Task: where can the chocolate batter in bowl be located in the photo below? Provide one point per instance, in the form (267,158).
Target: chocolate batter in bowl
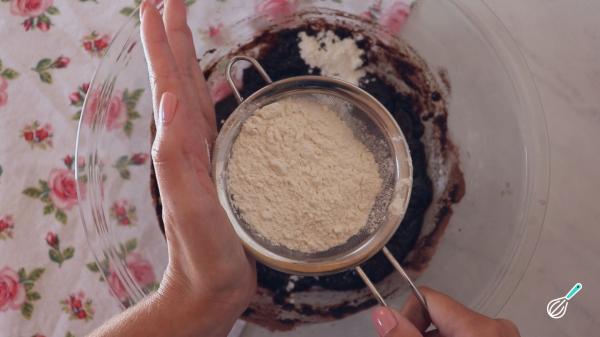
(459,90)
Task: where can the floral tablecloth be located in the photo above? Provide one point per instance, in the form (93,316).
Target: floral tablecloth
(49,283)
(48,52)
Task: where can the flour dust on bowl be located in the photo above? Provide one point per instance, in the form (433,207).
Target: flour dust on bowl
(452,80)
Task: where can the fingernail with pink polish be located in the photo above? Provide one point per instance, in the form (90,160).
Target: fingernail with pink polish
(168,105)
(383,320)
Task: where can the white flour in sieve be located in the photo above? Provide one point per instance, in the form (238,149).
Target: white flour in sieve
(300,178)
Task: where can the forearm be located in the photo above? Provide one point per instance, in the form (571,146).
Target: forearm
(166,315)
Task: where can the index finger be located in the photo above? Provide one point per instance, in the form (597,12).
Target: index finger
(182,46)
(162,68)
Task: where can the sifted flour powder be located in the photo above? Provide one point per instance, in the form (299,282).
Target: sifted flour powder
(339,58)
(300,178)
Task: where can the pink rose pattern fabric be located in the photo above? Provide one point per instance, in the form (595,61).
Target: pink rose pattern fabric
(12,292)
(121,111)
(7,224)
(59,192)
(140,268)
(29,8)
(78,306)
(62,188)
(56,277)
(17,290)
(115,117)
(143,273)
(36,12)
(6,74)
(95,44)
(276,9)
(43,254)
(123,212)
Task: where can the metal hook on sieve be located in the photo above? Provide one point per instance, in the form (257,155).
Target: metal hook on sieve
(400,270)
(356,267)
(256,65)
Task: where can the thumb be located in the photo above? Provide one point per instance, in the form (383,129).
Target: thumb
(390,323)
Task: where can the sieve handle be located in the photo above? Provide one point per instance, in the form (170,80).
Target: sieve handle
(400,270)
(259,68)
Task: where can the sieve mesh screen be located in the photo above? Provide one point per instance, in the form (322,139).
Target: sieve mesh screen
(358,118)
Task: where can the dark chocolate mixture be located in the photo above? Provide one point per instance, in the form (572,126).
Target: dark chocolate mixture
(280,57)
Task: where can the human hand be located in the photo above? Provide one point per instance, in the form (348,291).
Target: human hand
(451,318)
(208,270)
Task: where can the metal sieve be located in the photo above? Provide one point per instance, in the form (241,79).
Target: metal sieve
(372,123)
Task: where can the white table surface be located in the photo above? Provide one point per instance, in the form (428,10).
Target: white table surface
(561,42)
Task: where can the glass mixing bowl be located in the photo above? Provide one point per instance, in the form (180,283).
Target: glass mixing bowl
(495,120)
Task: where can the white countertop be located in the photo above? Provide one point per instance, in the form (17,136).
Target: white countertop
(561,42)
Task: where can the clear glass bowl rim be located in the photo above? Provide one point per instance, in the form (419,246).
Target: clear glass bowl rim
(538,156)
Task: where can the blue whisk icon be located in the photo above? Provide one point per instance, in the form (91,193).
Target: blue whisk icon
(557,308)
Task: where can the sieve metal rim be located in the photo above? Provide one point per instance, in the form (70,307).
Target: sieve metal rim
(394,136)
